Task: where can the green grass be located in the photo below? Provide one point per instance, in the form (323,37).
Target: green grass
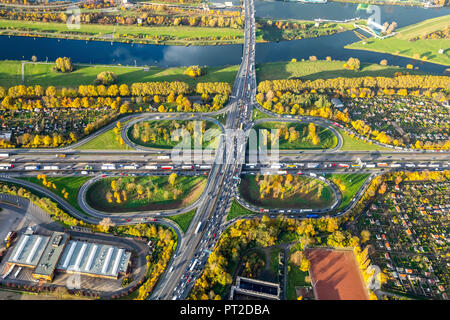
(191,187)
(170,127)
(249,190)
(236,210)
(400,44)
(10,73)
(184,219)
(71,184)
(424,27)
(312,70)
(183,34)
(327,139)
(43,74)
(354,144)
(295,278)
(259,115)
(352,183)
(105,141)
(274,254)
(222,118)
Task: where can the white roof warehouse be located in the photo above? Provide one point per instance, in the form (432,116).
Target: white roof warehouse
(46,254)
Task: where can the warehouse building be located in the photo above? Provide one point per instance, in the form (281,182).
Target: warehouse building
(95,260)
(47,254)
(28,250)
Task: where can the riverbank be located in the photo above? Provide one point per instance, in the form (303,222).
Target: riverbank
(167,35)
(408,3)
(323,69)
(267,31)
(41,73)
(294,29)
(407,42)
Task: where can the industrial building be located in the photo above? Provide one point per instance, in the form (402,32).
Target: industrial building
(47,254)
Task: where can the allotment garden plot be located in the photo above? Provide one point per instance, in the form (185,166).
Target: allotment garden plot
(291,192)
(146,193)
(411,121)
(409,234)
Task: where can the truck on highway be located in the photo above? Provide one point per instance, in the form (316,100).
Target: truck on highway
(187,167)
(50,168)
(151,167)
(275,166)
(130,167)
(382,164)
(205,166)
(4,155)
(282,172)
(61,155)
(343,165)
(108,166)
(370,165)
(395,165)
(33,167)
(163,157)
(198,227)
(6,165)
(193,265)
(312,165)
(166,167)
(312,174)
(312,216)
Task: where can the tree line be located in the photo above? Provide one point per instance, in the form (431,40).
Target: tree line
(398,82)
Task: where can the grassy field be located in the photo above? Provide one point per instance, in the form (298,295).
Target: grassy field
(184,219)
(183,34)
(160,197)
(249,190)
(400,44)
(352,183)
(353,144)
(258,115)
(42,74)
(236,210)
(105,141)
(322,69)
(71,184)
(327,139)
(169,125)
(424,27)
(295,278)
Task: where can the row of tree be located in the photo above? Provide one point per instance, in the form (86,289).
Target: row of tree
(132,18)
(399,82)
(136,89)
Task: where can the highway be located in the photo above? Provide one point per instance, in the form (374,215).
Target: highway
(198,240)
(223,167)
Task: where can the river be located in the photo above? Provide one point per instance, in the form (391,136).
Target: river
(98,52)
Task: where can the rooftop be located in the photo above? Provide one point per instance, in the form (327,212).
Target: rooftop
(28,250)
(50,256)
(94,259)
